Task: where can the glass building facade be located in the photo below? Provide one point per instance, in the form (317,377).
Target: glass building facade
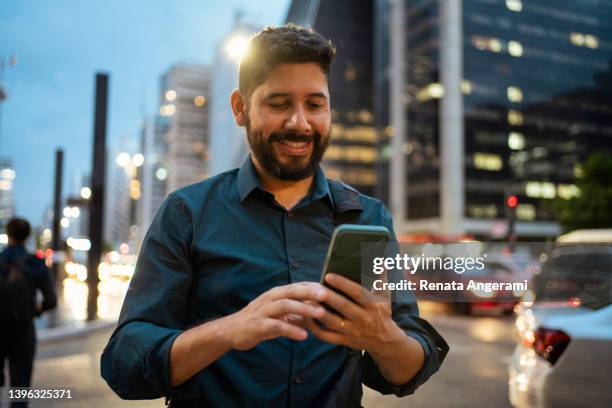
(353,152)
(495,98)
(536,100)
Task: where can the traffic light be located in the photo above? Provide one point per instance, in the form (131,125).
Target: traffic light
(512,201)
(511,204)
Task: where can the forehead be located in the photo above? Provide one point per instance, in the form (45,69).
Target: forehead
(294,80)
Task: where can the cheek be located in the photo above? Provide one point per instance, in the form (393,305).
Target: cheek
(266,121)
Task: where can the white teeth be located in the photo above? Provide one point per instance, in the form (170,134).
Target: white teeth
(295,144)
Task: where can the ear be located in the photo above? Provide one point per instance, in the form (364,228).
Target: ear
(238,108)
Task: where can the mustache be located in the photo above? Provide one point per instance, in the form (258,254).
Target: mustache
(293,137)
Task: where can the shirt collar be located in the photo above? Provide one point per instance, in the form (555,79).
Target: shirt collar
(248,180)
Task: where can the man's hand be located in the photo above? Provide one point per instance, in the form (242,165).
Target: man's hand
(275,313)
(365,323)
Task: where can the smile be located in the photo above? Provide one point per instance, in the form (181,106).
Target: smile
(294,148)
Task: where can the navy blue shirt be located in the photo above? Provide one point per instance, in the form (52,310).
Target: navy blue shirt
(214,247)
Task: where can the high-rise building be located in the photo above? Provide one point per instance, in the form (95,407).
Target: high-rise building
(228,145)
(184,101)
(7,178)
(477,100)
(153,173)
(353,151)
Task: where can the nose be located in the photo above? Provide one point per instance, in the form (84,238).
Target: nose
(298,122)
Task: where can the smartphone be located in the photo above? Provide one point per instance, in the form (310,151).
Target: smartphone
(344,255)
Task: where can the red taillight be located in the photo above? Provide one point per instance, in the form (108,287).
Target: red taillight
(549,344)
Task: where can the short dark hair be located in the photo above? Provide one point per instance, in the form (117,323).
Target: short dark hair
(18,229)
(274,46)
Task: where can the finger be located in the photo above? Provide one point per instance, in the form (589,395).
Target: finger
(284,307)
(296,320)
(273,328)
(345,307)
(382,294)
(323,334)
(299,291)
(353,290)
(334,322)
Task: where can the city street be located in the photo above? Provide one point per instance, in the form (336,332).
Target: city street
(474,374)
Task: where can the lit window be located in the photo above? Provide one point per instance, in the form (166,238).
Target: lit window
(515,48)
(199,101)
(515,117)
(483,211)
(515,94)
(526,212)
(431,91)
(495,45)
(390,131)
(516,141)
(567,191)
(537,189)
(170,95)
(591,41)
(488,161)
(350,74)
(167,110)
(466,87)
(577,39)
(6,185)
(7,174)
(578,171)
(486,43)
(514,5)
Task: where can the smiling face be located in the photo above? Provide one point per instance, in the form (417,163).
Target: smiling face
(288,120)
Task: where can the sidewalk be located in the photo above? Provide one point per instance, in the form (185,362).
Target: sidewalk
(69,319)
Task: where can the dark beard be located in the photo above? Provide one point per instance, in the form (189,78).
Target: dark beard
(295,169)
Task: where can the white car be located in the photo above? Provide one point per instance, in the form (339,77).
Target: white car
(564,358)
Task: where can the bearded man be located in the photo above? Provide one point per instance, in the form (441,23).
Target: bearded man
(222,307)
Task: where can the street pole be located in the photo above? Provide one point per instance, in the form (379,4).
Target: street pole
(96,209)
(57,211)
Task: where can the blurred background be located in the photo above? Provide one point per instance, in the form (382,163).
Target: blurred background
(486,120)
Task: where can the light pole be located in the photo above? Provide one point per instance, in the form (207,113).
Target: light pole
(3,93)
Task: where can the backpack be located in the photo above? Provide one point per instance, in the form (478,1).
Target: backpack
(16,304)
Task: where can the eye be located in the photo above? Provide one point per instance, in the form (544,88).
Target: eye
(278,105)
(315,105)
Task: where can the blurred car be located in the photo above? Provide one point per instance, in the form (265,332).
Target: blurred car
(564,357)
(497,269)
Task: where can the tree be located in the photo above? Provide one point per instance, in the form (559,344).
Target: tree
(593,207)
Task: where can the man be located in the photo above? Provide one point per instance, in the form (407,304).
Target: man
(221,308)
(21,276)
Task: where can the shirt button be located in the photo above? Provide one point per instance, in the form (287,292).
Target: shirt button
(290,214)
(297,379)
(295,264)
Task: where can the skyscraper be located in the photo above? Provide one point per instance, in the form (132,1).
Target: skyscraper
(153,171)
(477,100)
(353,152)
(184,101)
(7,178)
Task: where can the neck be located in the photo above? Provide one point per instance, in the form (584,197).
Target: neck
(287,193)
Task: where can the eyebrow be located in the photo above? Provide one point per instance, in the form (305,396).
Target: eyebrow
(285,95)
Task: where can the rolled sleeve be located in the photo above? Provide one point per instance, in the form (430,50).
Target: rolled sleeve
(136,361)
(405,313)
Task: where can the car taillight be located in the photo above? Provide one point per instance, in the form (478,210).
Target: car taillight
(547,343)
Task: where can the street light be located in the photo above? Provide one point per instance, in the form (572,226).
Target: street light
(237,46)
